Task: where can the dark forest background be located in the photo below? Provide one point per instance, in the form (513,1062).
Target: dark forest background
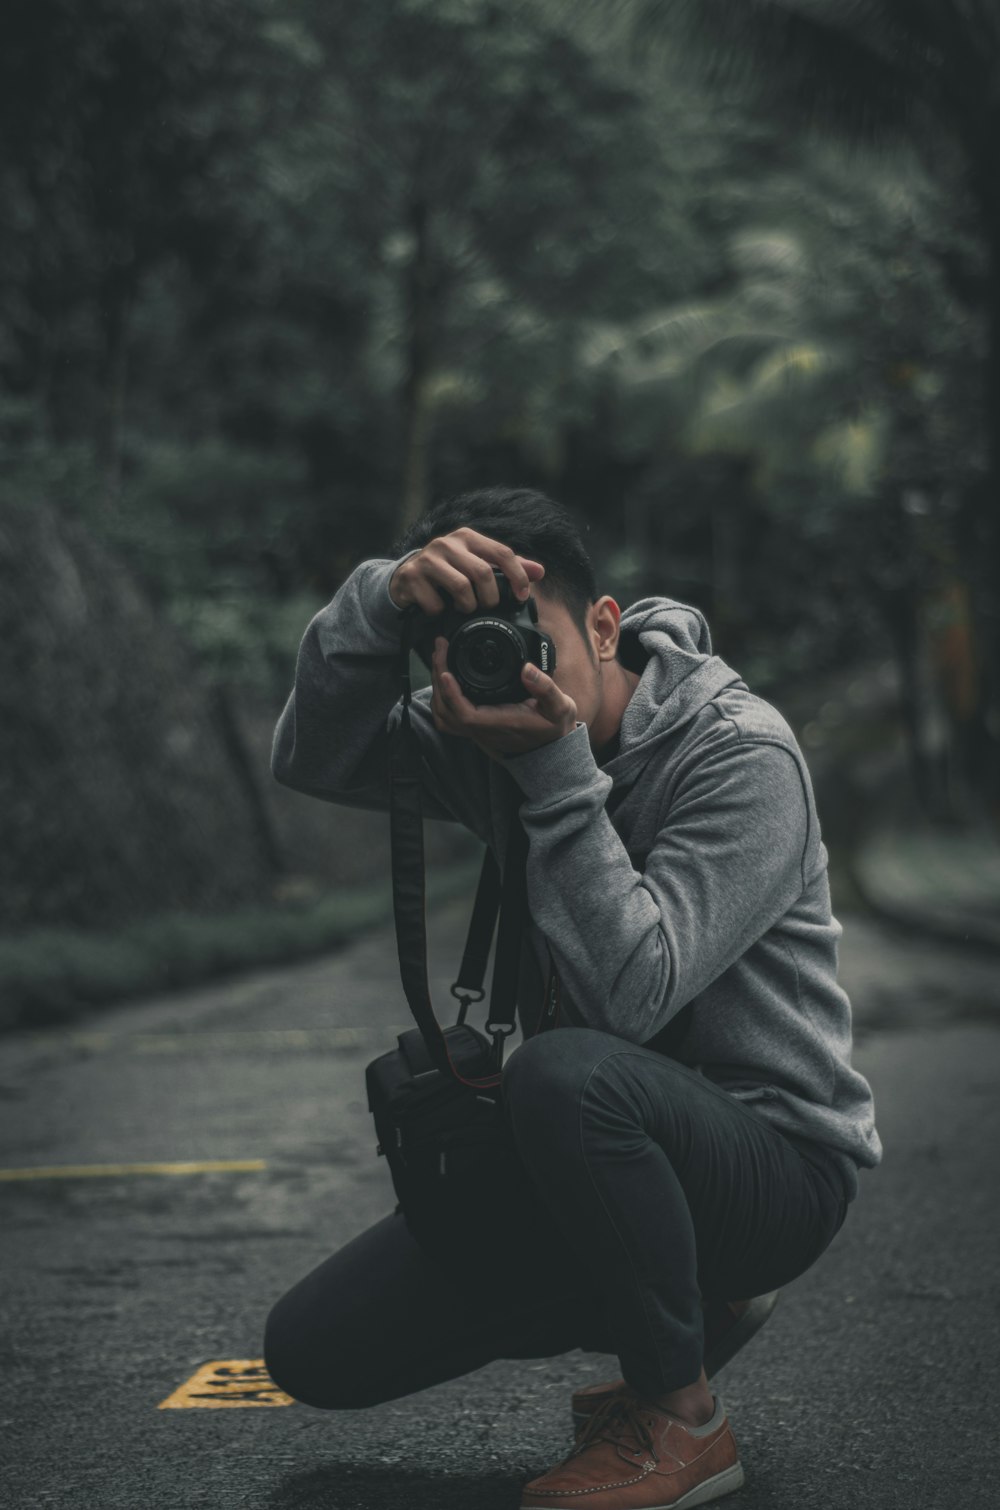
(274,276)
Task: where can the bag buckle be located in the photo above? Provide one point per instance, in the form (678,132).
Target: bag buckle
(466,997)
(500,1032)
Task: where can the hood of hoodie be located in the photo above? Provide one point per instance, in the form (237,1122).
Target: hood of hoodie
(680,676)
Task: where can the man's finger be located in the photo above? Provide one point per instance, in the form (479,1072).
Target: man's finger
(451,695)
(521,571)
(439,661)
(441,705)
(455,701)
(551,700)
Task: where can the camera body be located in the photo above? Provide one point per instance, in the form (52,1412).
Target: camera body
(487,649)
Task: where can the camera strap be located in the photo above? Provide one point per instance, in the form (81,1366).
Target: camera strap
(507,894)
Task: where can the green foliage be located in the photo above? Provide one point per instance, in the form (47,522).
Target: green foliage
(245,639)
(239,379)
(874,69)
(274,269)
(924,77)
(50,975)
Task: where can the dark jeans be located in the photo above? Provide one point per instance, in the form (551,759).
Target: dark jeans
(645,1189)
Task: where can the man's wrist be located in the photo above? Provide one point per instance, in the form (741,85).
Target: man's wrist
(399,607)
(517,754)
(561,765)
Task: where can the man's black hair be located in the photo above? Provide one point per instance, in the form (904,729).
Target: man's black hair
(533,525)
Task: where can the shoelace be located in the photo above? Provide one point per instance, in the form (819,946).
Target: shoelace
(619,1420)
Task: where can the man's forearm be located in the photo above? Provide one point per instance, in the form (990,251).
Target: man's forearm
(633,946)
(332,739)
(329,740)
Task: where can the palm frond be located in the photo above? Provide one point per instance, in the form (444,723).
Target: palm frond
(868,68)
(853,451)
(789,364)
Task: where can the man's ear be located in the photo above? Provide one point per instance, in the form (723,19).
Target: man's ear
(606,619)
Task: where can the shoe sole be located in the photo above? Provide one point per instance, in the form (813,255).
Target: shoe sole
(726,1482)
(717,1356)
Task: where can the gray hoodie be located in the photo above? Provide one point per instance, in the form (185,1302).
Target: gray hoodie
(679,888)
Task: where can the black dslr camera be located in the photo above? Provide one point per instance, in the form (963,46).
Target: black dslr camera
(487,649)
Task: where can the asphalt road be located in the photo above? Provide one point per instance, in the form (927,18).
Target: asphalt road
(874,1384)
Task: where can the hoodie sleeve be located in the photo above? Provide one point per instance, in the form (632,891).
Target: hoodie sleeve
(332,738)
(634,946)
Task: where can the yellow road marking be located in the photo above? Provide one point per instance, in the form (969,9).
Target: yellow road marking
(233,1383)
(92,1171)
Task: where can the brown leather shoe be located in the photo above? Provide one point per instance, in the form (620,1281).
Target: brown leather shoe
(634,1455)
(729,1324)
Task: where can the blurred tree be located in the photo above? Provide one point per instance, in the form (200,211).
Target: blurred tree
(927,71)
(117,119)
(500,178)
(120,788)
(834,369)
(247,186)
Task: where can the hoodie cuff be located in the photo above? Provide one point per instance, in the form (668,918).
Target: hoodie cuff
(398,607)
(557,767)
(381,611)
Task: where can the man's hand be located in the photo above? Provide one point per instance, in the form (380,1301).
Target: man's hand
(505,728)
(462,563)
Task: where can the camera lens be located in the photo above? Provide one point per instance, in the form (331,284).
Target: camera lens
(485,657)
(488,661)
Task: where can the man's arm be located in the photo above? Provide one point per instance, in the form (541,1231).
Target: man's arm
(727,862)
(332,739)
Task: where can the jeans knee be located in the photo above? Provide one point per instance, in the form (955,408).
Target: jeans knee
(282,1358)
(309,1368)
(548,1072)
(278,1358)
